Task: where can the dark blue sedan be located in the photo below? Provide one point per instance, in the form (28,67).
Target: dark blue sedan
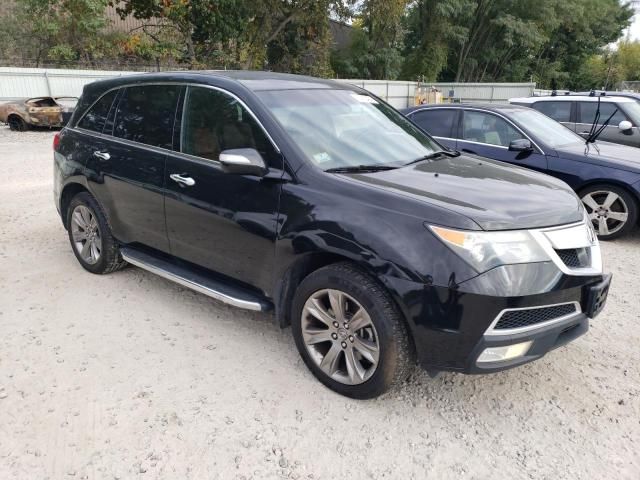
(605,175)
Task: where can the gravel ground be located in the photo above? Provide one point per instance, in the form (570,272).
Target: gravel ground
(131,376)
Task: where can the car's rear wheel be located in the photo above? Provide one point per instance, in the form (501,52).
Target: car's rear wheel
(612,210)
(90,236)
(349,332)
(17,124)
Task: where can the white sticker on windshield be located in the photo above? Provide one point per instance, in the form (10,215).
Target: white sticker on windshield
(364,98)
(322,157)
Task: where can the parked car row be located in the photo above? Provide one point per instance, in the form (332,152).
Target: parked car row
(605,175)
(318,201)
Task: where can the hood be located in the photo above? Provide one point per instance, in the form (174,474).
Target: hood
(495,195)
(605,154)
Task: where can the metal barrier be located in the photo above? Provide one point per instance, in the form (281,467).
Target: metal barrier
(34,82)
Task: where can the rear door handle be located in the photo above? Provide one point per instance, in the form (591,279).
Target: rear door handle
(182,181)
(102,155)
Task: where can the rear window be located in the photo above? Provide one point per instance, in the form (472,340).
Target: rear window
(559,111)
(97,115)
(437,122)
(146,114)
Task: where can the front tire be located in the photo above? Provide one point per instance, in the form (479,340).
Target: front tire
(17,124)
(90,236)
(350,333)
(612,210)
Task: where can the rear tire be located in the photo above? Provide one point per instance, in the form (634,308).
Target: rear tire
(90,236)
(612,210)
(349,332)
(17,124)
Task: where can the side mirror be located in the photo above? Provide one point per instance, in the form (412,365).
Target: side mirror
(243,161)
(520,145)
(625,125)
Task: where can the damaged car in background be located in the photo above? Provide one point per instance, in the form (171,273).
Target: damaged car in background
(23,114)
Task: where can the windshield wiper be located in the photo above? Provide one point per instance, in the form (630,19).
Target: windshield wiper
(360,168)
(433,155)
(595,131)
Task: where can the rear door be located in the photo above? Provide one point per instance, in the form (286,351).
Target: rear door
(489,135)
(224,222)
(439,123)
(128,171)
(587,113)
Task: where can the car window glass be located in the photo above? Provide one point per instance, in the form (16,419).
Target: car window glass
(437,122)
(213,121)
(559,111)
(487,128)
(96,117)
(146,114)
(588,113)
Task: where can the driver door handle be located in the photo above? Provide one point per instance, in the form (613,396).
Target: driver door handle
(182,181)
(102,155)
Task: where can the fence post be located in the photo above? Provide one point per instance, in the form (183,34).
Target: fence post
(46,79)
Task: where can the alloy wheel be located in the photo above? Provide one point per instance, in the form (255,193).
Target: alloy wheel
(86,234)
(340,336)
(607,210)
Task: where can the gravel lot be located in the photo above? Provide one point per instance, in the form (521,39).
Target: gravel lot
(131,376)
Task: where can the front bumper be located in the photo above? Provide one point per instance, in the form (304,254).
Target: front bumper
(452,326)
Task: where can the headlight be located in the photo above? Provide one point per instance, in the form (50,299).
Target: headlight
(486,250)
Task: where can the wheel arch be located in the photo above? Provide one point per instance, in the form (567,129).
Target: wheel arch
(609,181)
(68,192)
(305,265)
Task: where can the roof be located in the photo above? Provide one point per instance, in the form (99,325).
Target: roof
(573,98)
(484,106)
(253,80)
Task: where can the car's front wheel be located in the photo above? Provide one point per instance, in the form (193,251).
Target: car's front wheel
(349,332)
(90,236)
(612,210)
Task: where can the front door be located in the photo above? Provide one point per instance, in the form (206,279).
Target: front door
(217,220)
(489,135)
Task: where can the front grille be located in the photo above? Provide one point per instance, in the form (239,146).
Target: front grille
(574,257)
(532,316)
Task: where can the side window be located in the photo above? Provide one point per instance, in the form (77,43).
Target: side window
(96,117)
(588,113)
(488,128)
(559,111)
(437,122)
(213,121)
(146,114)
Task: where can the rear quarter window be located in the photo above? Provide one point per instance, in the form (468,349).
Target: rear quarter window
(96,116)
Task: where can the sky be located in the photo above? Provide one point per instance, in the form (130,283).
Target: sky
(634,29)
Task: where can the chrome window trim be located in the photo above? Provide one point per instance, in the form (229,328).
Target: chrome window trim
(482,110)
(492,331)
(185,84)
(506,120)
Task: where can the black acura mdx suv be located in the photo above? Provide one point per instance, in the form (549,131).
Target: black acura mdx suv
(318,200)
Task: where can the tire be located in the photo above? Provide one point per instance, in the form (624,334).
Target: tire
(86,224)
(613,210)
(379,324)
(17,124)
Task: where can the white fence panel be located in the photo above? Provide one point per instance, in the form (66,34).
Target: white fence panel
(33,82)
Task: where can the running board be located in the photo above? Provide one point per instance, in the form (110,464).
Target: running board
(236,296)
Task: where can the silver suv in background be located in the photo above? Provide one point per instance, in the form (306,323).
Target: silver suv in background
(578,113)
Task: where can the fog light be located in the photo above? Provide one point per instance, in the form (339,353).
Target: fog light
(500,354)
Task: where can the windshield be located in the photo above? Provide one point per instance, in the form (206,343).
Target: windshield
(632,109)
(343,128)
(548,130)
